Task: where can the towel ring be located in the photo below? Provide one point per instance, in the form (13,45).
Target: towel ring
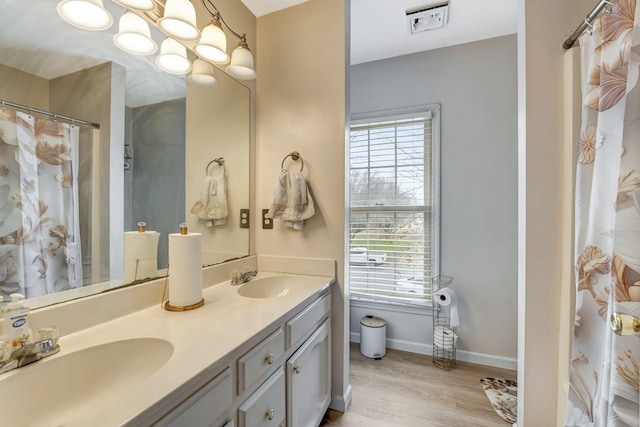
(218,160)
(294,156)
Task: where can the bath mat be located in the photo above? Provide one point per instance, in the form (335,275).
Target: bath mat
(503,395)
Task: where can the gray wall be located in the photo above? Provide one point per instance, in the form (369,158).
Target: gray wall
(476,85)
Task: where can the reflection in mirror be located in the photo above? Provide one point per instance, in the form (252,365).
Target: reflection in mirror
(71,192)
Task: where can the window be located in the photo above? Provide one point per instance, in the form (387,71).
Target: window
(393,219)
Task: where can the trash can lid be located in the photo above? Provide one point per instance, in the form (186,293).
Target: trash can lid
(372,322)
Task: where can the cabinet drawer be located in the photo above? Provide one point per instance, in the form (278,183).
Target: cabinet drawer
(256,362)
(266,406)
(304,322)
(205,407)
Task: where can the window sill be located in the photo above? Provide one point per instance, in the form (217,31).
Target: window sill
(425,310)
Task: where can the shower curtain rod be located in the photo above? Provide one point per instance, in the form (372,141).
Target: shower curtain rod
(48,113)
(568,43)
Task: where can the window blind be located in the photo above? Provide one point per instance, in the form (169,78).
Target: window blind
(391,210)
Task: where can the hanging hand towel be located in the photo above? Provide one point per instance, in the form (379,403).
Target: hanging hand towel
(292,201)
(212,205)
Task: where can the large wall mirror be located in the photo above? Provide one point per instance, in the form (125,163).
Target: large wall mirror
(94,141)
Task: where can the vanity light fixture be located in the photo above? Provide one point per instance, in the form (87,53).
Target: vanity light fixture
(134,36)
(85,14)
(213,43)
(202,72)
(241,66)
(179,20)
(143,5)
(173,57)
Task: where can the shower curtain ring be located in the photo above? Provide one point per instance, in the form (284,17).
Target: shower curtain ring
(590,25)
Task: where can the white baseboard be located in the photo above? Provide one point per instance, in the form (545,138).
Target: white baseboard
(341,403)
(461,355)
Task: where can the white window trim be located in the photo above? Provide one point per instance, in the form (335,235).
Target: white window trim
(389,115)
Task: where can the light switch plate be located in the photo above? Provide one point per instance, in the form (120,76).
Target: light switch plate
(244,218)
(267,223)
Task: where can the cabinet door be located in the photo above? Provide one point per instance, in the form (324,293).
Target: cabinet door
(309,380)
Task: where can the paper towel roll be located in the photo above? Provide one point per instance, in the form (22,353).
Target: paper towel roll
(185,269)
(446,297)
(140,255)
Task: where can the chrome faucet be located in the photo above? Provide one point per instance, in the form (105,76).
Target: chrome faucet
(26,353)
(242,276)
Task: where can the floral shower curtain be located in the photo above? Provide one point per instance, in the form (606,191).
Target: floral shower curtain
(39,227)
(604,375)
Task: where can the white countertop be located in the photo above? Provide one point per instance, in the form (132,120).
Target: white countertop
(201,338)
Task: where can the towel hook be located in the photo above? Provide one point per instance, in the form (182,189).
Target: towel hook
(294,156)
(218,160)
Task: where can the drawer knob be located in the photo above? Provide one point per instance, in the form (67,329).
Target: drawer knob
(296,369)
(270,414)
(270,358)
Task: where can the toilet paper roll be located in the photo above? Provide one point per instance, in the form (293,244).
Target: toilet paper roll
(446,297)
(185,269)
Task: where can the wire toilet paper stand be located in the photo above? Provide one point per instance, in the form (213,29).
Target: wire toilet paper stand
(444,332)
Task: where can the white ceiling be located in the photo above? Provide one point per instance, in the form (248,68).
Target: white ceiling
(379,28)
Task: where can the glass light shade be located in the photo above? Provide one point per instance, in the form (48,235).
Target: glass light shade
(145,5)
(134,36)
(179,20)
(241,66)
(213,44)
(85,14)
(202,72)
(173,58)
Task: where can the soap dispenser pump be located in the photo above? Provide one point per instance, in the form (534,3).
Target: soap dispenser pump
(16,326)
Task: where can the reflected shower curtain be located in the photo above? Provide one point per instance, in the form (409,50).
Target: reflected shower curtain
(39,227)
(604,374)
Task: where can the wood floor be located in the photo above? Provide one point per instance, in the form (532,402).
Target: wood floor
(406,390)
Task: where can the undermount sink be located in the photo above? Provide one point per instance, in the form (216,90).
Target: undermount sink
(268,287)
(56,390)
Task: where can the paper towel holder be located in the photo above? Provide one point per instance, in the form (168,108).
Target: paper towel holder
(176,308)
(167,306)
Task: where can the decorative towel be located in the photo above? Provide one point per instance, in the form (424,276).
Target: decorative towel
(292,201)
(212,205)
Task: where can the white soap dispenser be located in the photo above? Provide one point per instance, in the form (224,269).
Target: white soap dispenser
(16,323)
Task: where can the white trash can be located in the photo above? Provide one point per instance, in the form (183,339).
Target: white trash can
(373,337)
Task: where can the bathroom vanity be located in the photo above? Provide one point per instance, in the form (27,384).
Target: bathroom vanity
(283,380)
(256,354)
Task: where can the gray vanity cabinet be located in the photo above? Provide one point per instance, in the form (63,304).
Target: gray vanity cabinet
(282,380)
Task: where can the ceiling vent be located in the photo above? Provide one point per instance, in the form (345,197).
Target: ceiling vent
(429,17)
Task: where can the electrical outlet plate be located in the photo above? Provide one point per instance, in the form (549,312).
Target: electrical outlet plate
(267,223)
(244,218)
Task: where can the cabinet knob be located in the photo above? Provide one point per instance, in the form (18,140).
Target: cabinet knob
(296,369)
(270,414)
(270,358)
